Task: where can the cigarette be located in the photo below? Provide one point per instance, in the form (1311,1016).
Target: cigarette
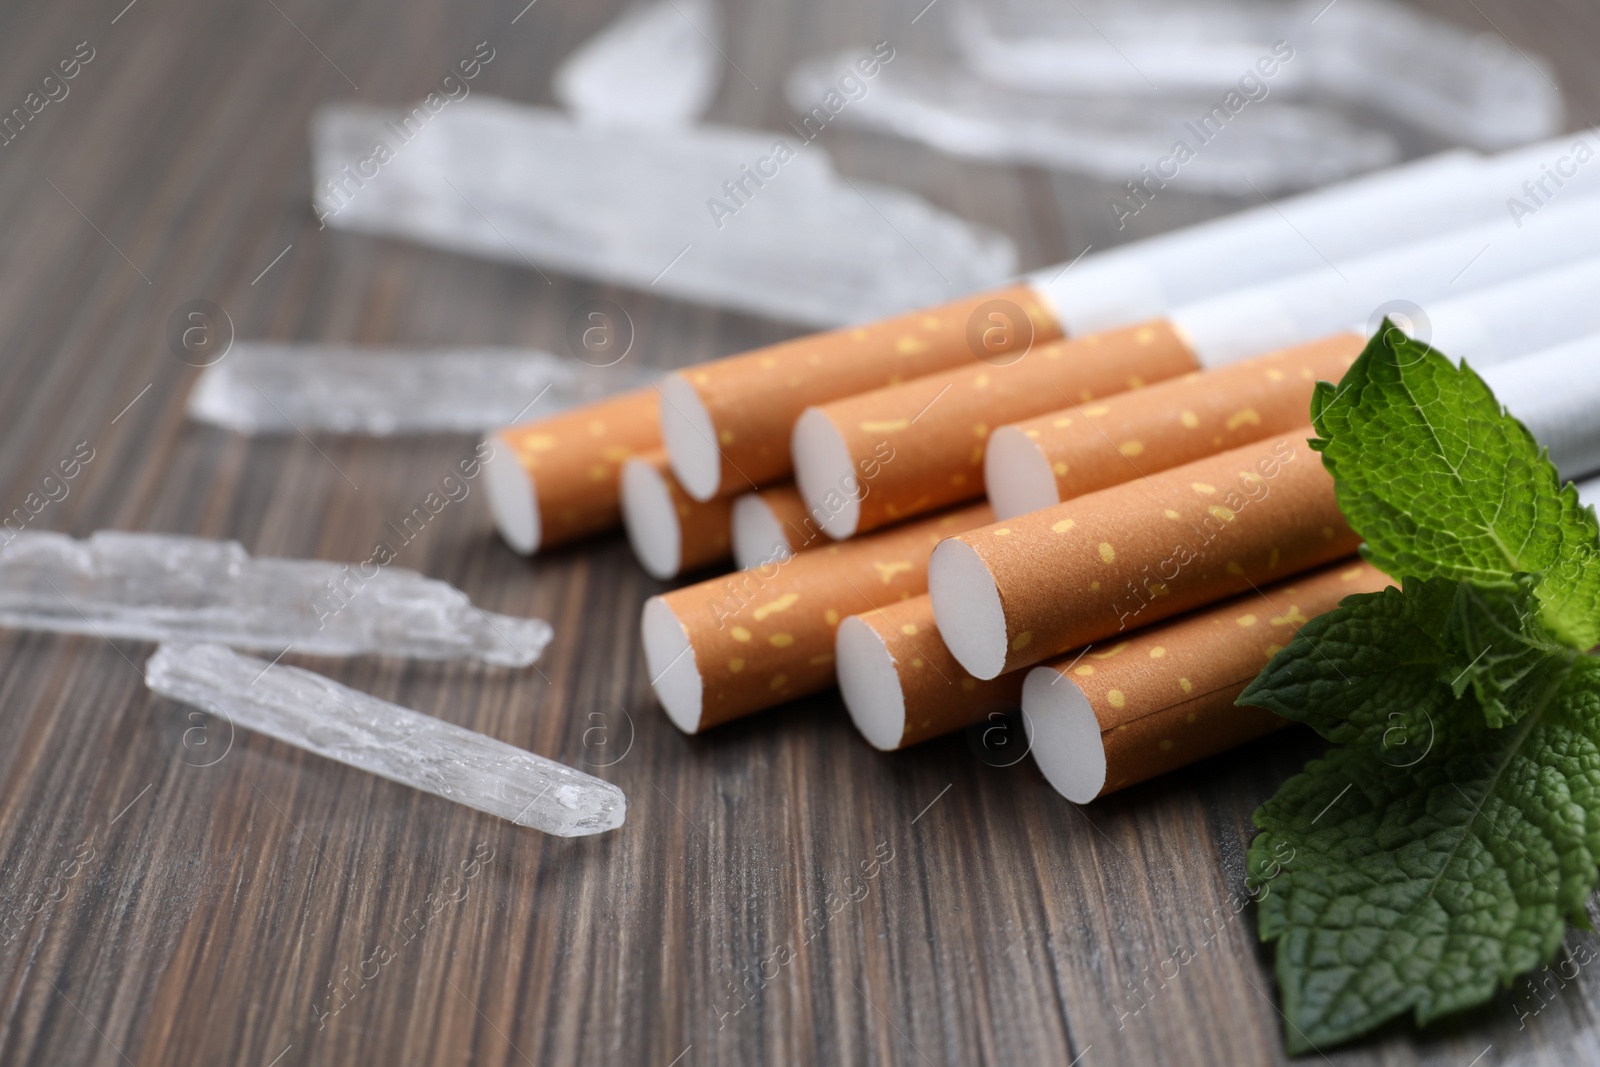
(769,524)
(1044,460)
(750,641)
(1557,391)
(1015,593)
(874,459)
(1515,319)
(671,533)
(1589,493)
(837,445)
(902,685)
(1111,717)
(558,479)
(1302,307)
(726,423)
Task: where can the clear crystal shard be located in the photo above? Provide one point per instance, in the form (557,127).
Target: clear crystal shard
(319,715)
(681,211)
(657,65)
(261,388)
(1454,80)
(1466,85)
(164,587)
(1273,146)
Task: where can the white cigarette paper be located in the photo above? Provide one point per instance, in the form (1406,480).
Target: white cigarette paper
(1557,393)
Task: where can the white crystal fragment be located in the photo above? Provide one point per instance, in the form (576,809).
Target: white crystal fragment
(657,65)
(261,388)
(165,587)
(1472,88)
(317,714)
(1469,86)
(1096,49)
(638,207)
(1269,145)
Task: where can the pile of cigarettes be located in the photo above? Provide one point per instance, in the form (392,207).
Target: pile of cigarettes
(1088,495)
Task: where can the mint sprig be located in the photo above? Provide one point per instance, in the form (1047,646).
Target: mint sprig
(1441,483)
(1446,847)
(1426,888)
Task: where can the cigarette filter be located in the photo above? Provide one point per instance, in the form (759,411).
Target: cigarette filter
(557,479)
(726,423)
(671,532)
(870,460)
(903,686)
(1085,447)
(1018,592)
(771,523)
(1110,717)
(758,638)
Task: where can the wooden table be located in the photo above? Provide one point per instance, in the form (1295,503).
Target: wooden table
(171,907)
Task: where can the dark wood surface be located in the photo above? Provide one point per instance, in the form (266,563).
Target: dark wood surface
(166,912)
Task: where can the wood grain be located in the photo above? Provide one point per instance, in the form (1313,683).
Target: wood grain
(207,914)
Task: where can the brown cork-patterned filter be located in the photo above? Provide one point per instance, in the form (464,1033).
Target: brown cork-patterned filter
(876,458)
(1126,711)
(772,523)
(1022,591)
(559,479)
(727,422)
(755,639)
(671,533)
(903,686)
(1085,447)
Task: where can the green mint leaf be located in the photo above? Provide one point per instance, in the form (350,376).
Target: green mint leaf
(1501,651)
(1367,672)
(1424,888)
(1442,483)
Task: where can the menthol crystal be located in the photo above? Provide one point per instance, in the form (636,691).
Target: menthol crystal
(165,587)
(666,209)
(261,388)
(657,65)
(317,714)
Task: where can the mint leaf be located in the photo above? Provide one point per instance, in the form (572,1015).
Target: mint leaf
(1423,888)
(1504,655)
(1442,483)
(1368,672)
